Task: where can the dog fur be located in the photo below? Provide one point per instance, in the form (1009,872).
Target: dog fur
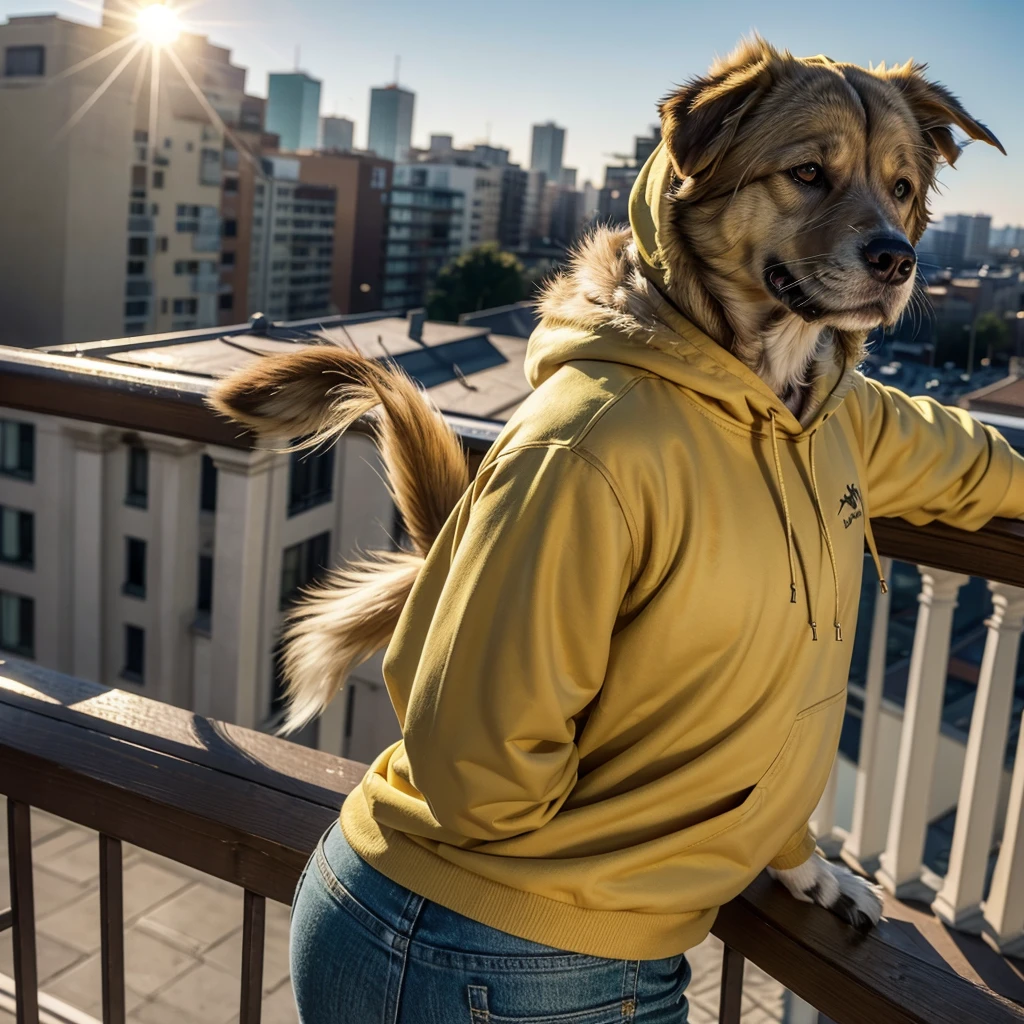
(737,213)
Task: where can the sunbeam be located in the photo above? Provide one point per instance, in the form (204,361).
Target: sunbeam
(154,99)
(140,78)
(89,61)
(91,101)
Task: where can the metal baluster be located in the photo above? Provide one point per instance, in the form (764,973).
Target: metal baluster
(26,977)
(731,1002)
(112,930)
(253,933)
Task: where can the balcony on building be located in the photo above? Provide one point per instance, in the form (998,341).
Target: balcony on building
(926,793)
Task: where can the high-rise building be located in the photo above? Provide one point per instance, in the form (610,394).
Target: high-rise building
(513,200)
(492,156)
(336,134)
(114,232)
(360,182)
(293,109)
(546,151)
(390,134)
(975,229)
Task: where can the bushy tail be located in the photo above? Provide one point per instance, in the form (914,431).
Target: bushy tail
(313,395)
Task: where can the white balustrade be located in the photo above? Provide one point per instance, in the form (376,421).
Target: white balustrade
(902,860)
(871,798)
(959,901)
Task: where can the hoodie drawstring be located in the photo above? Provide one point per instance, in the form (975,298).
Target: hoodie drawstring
(785,512)
(828,539)
(883,586)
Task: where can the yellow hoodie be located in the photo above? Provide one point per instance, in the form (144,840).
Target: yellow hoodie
(621,674)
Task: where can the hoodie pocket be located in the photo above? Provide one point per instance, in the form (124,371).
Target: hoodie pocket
(805,756)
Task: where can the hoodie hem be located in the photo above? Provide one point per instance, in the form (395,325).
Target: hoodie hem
(615,935)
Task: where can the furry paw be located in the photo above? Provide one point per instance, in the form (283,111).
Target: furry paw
(834,887)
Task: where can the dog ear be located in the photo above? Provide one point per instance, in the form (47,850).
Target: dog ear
(699,120)
(935,109)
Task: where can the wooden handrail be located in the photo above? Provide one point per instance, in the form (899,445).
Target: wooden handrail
(249,808)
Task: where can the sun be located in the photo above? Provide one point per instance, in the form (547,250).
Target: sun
(158,24)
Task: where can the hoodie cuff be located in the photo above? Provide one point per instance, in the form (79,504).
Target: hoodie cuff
(795,852)
(1012,504)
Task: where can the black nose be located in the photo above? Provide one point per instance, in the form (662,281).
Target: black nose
(890,259)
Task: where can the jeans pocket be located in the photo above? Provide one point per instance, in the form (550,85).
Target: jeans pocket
(484,1009)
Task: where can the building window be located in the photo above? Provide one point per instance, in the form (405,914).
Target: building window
(158,179)
(24,61)
(208,485)
(17,449)
(17,624)
(136,268)
(138,307)
(134,654)
(231,229)
(227,302)
(227,259)
(204,596)
(302,564)
(17,537)
(163,305)
(311,479)
(230,184)
(378,178)
(137,493)
(161,243)
(134,567)
(138,246)
(187,307)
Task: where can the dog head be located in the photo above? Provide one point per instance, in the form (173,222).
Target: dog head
(802,188)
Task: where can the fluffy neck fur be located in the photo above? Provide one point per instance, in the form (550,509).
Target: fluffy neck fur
(605,285)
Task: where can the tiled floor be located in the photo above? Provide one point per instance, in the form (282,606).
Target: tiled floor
(183,940)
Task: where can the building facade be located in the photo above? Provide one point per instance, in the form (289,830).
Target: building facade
(293,109)
(336,134)
(546,150)
(425,230)
(390,132)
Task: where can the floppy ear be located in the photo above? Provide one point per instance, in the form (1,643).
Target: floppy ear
(700,120)
(935,109)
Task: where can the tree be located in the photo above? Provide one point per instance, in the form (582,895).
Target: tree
(478,279)
(993,335)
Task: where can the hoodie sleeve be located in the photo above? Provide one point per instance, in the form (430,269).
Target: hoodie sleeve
(797,850)
(519,644)
(927,461)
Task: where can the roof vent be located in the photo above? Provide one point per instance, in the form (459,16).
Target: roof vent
(259,323)
(416,318)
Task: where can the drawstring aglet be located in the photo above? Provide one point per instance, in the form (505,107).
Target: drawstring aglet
(883,586)
(792,593)
(839,631)
(814,631)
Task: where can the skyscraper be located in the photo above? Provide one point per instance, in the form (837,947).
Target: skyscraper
(546,151)
(293,109)
(391,122)
(336,134)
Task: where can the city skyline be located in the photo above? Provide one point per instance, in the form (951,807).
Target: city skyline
(470,88)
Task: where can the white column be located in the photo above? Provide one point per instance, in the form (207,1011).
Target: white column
(870,820)
(87,562)
(1003,924)
(174,563)
(243,501)
(959,901)
(823,821)
(901,862)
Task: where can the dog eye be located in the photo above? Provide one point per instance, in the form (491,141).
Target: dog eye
(808,174)
(902,189)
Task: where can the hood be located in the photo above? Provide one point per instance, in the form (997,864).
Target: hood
(609,305)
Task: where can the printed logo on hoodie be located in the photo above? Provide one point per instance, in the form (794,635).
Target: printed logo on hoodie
(853,498)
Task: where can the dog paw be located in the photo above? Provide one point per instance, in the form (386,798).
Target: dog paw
(834,887)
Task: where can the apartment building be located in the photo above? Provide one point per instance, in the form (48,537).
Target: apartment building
(336,134)
(163,566)
(390,127)
(113,232)
(424,231)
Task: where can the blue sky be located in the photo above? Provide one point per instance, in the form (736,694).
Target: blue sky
(598,68)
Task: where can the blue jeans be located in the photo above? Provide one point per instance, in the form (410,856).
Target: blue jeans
(365,950)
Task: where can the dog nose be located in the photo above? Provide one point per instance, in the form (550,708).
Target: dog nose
(890,259)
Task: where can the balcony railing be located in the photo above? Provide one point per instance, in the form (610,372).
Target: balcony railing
(248,808)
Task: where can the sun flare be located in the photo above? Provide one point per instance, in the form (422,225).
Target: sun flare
(158,24)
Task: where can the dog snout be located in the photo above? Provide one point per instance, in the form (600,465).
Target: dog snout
(889,259)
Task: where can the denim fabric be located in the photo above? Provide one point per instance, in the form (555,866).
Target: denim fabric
(365,950)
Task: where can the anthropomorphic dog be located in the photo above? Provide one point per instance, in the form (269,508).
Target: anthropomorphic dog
(619,654)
